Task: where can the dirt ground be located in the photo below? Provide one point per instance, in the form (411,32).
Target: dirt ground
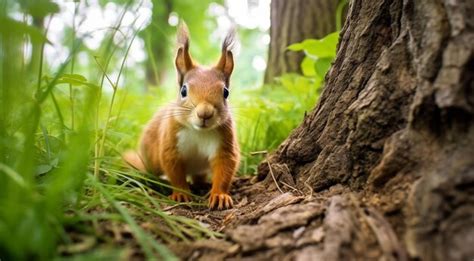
(270,222)
(277,221)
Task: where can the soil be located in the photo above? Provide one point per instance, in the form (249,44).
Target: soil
(285,223)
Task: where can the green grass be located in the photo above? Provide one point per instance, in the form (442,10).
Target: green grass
(266,115)
(60,168)
(61,139)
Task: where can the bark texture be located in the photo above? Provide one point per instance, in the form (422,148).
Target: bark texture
(292,22)
(396,118)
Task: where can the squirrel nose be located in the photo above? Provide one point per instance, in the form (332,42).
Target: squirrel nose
(205,111)
(205,115)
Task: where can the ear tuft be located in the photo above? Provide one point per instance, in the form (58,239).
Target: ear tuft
(183,36)
(229,40)
(226,62)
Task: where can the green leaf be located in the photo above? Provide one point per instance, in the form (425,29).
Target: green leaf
(308,66)
(321,66)
(331,39)
(315,49)
(42,169)
(54,162)
(39,8)
(318,49)
(295,47)
(74,79)
(10,27)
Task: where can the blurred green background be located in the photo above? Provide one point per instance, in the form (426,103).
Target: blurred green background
(80,79)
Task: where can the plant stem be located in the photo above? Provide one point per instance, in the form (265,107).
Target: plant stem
(71,91)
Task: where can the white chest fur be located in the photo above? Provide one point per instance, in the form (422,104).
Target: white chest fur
(197,148)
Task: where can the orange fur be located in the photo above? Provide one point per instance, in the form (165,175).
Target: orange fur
(134,160)
(196,133)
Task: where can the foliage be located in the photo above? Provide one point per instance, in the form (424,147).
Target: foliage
(57,129)
(318,54)
(266,115)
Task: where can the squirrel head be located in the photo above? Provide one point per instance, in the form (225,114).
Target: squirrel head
(203,91)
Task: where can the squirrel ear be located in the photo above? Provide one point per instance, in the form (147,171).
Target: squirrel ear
(226,62)
(183,60)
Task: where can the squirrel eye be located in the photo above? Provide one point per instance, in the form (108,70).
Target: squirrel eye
(226,92)
(184,91)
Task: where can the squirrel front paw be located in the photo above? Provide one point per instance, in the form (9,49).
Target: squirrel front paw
(220,201)
(180,197)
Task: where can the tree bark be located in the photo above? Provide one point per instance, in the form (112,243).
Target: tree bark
(395,122)
(292,22)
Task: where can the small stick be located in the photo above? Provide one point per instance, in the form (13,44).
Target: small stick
(273,176)
(288,185)
(309,187)
(261,152)
(293,188)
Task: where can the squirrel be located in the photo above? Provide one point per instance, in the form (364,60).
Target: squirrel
(195,134)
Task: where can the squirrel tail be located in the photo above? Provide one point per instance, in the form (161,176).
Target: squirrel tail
(134,160)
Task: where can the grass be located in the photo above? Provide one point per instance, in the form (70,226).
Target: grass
(61,137)
(266,115)
(56,151)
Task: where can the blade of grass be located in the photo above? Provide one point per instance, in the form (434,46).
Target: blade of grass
(147,243)
(114,86)
(60,116)
(11,173)
(97,117)
(73,59)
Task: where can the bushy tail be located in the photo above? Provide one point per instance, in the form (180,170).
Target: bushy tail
(133,159)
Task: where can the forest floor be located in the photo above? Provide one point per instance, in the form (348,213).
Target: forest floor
(281,222)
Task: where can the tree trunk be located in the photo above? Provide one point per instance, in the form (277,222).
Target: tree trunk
(157,42)
(294,21)
(395,122)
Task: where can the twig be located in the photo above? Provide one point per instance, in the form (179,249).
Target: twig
(310,189)
(288,185)
(293,188)
(274,180)
(261,152)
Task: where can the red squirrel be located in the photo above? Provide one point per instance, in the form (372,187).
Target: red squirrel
(196,134)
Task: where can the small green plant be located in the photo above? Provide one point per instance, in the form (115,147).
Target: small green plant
(266,115)
(319,53)
(60,144)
